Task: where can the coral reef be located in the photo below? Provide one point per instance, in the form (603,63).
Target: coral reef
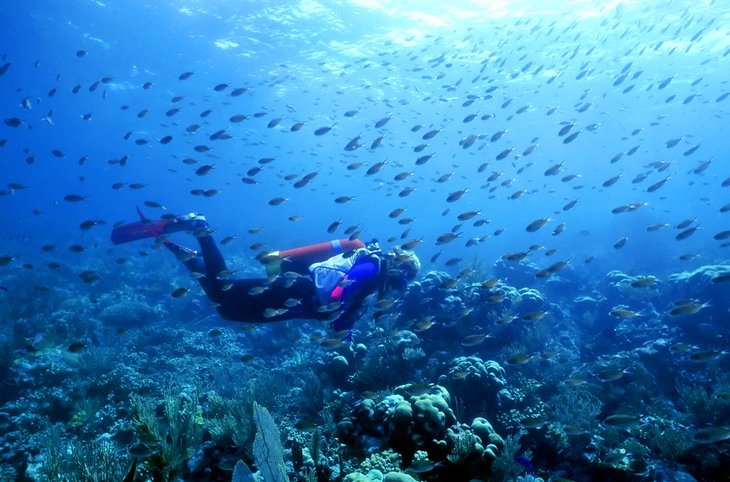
(477,383)
(128,314)
(180,399)
(418,424)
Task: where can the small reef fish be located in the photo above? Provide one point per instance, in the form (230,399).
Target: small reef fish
(534,315)
(519,359)
(179,292)
(473,340)
(706,356)
(422,466)
(306,426)
(384,304)
(643,282)
(611,374)
(525,462)
(622,421)
(423,324)
(331,343)
(682,347)
(575,381)
(623,313)
(6,260)
(516,256)
(257,290)
(711,435)
(537,224)
(77,346)
(274,312)
(533,422)
(89,276)
(506,320)
(688,309)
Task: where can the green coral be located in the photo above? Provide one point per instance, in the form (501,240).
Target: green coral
(180,426)
(73,460)
(668,439)
(78,419)
(573,413)
(231,421)
(144,421)
(465,444)
(505,467)
(698,402)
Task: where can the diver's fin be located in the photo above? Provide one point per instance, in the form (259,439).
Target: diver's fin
(142,229)
(145,228)
(141,216)
(138,230)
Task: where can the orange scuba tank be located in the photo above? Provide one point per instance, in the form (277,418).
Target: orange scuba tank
(306,255)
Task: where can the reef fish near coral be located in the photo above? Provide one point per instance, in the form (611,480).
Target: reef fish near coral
(558,167)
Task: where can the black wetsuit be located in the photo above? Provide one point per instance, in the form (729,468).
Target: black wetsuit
(284,298)
(237,300)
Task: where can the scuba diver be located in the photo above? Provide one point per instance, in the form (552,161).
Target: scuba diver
(326,281)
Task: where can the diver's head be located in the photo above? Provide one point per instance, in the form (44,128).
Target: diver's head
(403,268)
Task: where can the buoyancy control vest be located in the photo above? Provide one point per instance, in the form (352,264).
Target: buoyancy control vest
(329,274)
(299,259)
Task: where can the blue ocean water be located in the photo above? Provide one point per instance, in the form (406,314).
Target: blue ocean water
(524,106)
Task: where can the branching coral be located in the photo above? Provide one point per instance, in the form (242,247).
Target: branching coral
(505,467)
(667,439)
(574,407)
(172,438)
(464,444)
(76,461)
(231,421)
(572,414)
(698,403)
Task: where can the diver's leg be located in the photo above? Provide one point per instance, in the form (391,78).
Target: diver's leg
(189,257)
(212,257)
(211,263)
(245,299)
(195,264)
(263,301)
